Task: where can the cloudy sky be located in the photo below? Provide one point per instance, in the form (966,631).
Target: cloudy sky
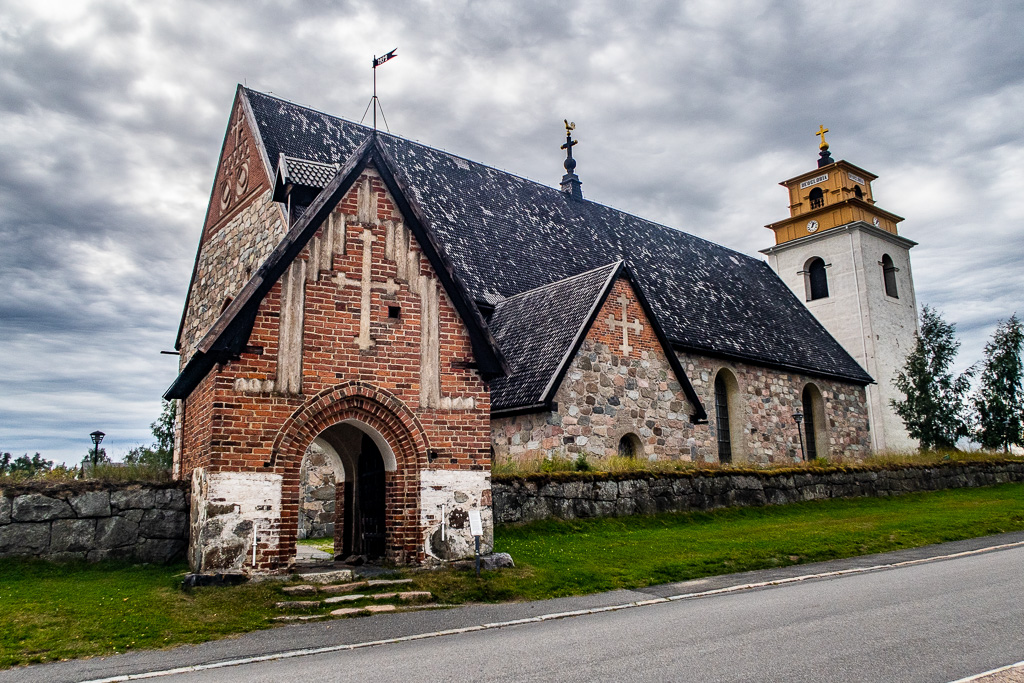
(688,113)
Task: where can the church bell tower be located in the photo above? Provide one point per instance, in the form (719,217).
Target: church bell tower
(841,254)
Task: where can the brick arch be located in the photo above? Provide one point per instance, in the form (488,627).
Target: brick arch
(380,411)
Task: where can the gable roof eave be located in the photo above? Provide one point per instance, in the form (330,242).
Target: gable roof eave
(489,358)
(545,401)
(230,332)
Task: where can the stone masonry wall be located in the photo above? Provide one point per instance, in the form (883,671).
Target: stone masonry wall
(532,499)
(226,262)
(318,494)
(611,389)
(767,399)
(93,522)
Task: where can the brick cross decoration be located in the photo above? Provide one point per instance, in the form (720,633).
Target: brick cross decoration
(366,285)
(626,326)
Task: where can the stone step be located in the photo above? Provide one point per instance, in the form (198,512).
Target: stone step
(409,595)
(324,576)
(344,587)
(297,604)
(301,617)
(372,609)
(387,582)
(303,589)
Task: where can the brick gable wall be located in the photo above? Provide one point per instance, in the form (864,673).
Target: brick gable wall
(243,225)
(372,371)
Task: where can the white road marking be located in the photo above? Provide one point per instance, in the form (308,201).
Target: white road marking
(559,615)
(1001,669)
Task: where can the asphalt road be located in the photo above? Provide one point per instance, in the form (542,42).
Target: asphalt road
(937,621)
(932,622)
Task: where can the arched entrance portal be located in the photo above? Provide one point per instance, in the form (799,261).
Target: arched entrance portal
(360,491)
(377,447)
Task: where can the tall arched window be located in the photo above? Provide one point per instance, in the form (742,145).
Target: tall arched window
(815,437)
(857,192)
(889,276)
(730,420)
(722,419)
(817,280)
(817,198)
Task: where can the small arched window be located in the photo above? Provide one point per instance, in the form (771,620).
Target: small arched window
(857,192)
(817,198)
(630,446)
(817,279)
(889,276)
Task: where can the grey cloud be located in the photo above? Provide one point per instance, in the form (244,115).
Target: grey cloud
(688,113)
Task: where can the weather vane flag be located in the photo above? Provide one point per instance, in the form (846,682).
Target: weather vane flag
(374,102)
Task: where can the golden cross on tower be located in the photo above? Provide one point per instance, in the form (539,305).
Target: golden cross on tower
(821,131)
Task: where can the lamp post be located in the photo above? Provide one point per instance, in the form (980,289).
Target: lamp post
(798,417)
(96,437)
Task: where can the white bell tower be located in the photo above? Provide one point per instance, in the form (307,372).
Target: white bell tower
(841,254)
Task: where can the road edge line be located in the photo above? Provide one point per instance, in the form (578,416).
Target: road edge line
(290,654)
(976,677)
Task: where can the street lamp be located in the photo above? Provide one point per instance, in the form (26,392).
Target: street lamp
(96,437)
(798,417)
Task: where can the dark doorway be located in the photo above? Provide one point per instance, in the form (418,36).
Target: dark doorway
(368,538)
(809,440)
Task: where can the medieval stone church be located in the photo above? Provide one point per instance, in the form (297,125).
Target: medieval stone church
(411,316)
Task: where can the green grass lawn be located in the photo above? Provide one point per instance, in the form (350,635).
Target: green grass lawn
(49,612)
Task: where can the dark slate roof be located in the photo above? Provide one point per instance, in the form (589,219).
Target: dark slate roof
(538,329)
(505,235)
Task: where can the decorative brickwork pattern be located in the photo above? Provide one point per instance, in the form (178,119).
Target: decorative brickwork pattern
(362,359)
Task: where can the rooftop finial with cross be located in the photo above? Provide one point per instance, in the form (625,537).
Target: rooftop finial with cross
(570,181)
(821,133)
(570,163)
(824,156)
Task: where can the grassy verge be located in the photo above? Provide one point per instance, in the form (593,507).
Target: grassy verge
(54,612)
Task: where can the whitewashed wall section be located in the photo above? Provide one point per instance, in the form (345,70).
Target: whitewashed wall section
(446,497)
(230,512)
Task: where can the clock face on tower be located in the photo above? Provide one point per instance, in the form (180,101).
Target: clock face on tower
(875,221)
(812,226)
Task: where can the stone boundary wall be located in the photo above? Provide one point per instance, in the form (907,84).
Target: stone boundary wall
(94,521)
(579,495)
